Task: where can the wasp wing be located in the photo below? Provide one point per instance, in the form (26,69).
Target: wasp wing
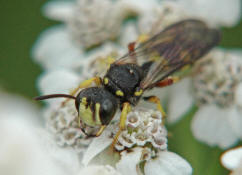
(176,46)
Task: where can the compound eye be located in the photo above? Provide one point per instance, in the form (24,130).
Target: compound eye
(107,106)
(107,111)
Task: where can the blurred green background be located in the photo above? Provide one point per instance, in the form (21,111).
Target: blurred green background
(21,24)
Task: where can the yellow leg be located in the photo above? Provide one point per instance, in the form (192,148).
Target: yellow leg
(142,38)
(103,63)
(100,131)
(87,83)
(109,60)
(125,110)
(156,100)
(84,84)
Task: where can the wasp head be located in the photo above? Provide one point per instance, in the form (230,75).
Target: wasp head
(96,106)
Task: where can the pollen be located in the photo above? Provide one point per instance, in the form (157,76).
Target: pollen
(119,93)
(138,93)
(105,80)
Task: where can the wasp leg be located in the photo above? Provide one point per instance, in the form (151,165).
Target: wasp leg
(131,47)
(125,110)
(168,81)
(142,38)
(156,100)
(108,61)
(100,131)
(87,83)
(84,84)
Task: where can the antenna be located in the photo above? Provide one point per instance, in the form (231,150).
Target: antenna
(44,97)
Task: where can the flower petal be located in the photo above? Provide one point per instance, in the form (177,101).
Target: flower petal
(55,49)
(58,81)
(210,125)
(97,146)
(129,161)
(67,159)
(129,34)
(231,159)
(99,170)
(180,101)
(238,95)
(225,12)
(23,108)
(22,150)
(58,10)
(235,121)
(137,6)
(169,164)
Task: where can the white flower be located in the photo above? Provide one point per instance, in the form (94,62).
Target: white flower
(24,150)
(59,42)
(157,18)
(166,162)
(94,22)
(90,23)
(64,79)
(99,169)
(142,142)
(232,160)
(75,50)
(58,48)
(215,88)
(224,13)
(55,50)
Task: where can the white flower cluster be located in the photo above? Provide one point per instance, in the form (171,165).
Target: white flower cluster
(94,22)
(26,148)
(62,122)
(216,86)
(216,78)
(157,19)
(144,135)
(99,169)
(143,127)
(68,54)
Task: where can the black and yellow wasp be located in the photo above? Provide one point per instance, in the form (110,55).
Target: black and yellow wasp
(149,65)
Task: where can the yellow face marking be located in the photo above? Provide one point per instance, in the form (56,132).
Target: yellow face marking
(138,93)
(84,100)
(97,114)
(119,93)
(105,80)
(86,115)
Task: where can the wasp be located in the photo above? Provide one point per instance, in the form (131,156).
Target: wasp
(149,65)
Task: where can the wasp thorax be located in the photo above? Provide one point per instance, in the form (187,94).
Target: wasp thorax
(96,106)
(217,77)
